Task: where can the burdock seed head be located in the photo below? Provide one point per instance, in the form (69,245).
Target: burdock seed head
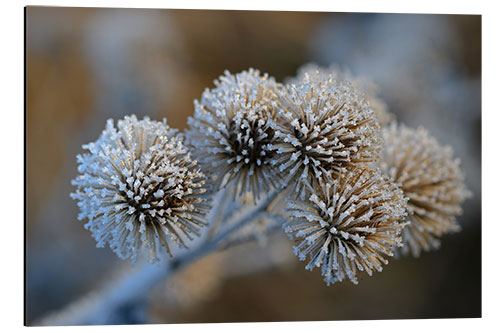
(367,88)
(232,130)
(348,224)
(138,187)
(323,127)
(430,178)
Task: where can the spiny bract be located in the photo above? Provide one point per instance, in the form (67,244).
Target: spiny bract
(349,223)
(232,129)
(432,181)
(323,127)
(139,187)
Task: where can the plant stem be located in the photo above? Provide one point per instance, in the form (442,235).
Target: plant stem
(99,307)
(270,229)
(217,217)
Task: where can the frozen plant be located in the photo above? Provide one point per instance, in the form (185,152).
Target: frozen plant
(366,87)
(308,156)
(139,188)
(324,127)
(349,223)
(234,123)
(432,181)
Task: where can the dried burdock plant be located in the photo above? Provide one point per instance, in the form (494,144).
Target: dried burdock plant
(431,179)
(231,131)
(323,127)
(139,187)
(298,156)
(367,88)
(350,223)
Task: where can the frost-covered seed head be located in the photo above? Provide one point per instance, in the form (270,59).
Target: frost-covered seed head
(365,86)
(432,181)
(232,130)
(348,224)
(138,187)
(324,127)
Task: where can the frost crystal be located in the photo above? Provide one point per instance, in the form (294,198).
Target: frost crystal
(348,224)
(232,131)
(363,85)
(138,187)
(323,127)
(431,179)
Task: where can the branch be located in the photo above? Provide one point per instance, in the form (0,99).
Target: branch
(100,307)
(270,229)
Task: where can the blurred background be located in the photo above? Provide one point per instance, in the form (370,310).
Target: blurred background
(86,65)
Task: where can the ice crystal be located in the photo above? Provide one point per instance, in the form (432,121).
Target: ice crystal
(323,127)
(366,87)
(232,131)
(348,224)
(138,187)
(431,179)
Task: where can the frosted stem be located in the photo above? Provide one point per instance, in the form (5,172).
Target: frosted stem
(215,220)
(100,306)
(278,221)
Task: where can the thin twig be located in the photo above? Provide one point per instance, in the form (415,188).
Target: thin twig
(221,204)
(270,229)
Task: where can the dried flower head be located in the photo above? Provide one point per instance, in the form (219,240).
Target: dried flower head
(232,129)
(139,187)
(432,181)
(366,87)
(324,127)
(349,223)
